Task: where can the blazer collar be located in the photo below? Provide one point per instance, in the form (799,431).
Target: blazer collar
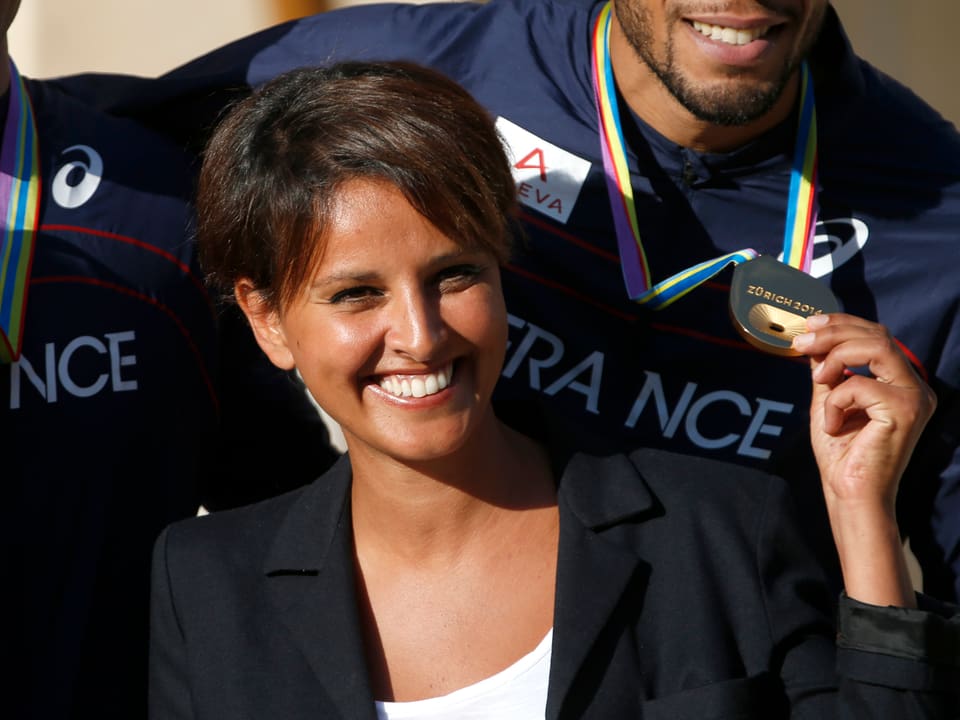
(605,491)
(310,579)
(595,573)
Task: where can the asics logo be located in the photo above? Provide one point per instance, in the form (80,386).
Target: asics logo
(836,242)
(77,181)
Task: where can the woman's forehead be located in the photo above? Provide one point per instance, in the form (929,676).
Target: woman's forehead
(372,224)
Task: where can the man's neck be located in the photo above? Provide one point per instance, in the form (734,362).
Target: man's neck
(650,100)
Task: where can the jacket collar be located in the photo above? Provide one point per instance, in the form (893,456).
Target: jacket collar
(594,571)
(310,578)
(621,495)
(309,570)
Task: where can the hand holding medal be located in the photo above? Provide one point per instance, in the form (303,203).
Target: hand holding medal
(863,429)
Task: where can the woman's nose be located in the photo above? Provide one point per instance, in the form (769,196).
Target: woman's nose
(416,327)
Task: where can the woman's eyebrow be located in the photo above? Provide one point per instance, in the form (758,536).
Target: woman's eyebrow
(338,276)
(345,276)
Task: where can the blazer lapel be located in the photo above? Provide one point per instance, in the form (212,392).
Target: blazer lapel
(310,580)
(592,571)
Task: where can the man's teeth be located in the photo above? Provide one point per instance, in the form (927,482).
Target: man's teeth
(730,36)
(418,386)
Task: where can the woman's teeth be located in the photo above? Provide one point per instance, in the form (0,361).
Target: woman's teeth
(417,386)
(730,36)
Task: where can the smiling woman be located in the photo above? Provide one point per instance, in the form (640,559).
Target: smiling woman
(448,566)
(375,342)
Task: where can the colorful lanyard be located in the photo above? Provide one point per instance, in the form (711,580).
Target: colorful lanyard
(20,212)
(801,211)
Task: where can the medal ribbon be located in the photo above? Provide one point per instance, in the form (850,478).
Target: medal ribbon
(801,209)
(19,213)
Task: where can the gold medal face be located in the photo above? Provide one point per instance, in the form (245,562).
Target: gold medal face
(771,301)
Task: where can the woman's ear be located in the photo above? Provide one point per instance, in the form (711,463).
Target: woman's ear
(265,322)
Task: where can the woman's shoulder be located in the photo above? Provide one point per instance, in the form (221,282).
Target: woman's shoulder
(650,481)
(248,531)
(684,473)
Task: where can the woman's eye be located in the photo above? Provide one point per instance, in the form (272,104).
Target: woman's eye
(354,294)
(458,277)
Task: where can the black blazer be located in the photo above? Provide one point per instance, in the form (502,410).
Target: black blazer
(683,591)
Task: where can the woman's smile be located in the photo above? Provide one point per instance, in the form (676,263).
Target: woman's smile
(419,385)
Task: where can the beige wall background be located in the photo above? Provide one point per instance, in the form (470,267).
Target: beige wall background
(913,41)
(142,37)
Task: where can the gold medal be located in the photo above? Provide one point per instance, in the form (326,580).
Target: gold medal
(770,303)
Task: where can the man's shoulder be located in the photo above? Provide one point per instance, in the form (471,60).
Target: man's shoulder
(863,111)
(889,106)
(61,109)
(447,35)
(123,153)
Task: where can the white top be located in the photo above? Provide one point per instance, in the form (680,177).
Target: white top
(517,693)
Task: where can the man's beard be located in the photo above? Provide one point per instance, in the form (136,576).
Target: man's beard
(728,103)
(728,106)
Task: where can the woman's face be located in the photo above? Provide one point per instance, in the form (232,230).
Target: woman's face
(401,334)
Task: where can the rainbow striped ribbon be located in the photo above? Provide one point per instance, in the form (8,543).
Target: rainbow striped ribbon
(800,228)
(801,209)
(20,212)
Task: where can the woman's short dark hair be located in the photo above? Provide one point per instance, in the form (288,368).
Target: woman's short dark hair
(274,165)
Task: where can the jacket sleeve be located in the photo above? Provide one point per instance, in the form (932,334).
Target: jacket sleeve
(876,663)
(169,688)
(913,650)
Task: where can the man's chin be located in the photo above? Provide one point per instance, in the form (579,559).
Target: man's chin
(733,105)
